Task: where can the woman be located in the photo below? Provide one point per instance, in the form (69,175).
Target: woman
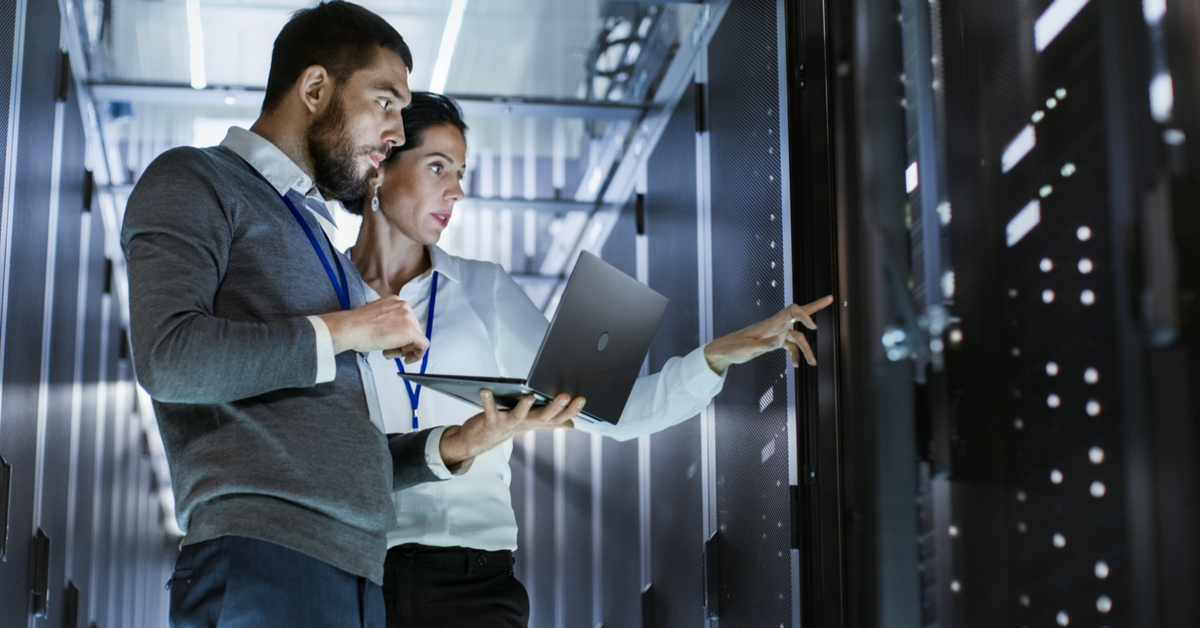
(450,557)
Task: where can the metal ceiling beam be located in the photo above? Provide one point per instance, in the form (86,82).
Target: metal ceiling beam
(472,104)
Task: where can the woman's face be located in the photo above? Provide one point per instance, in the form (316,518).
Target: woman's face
(419,189)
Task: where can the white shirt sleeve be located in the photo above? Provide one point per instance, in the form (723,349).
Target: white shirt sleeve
(326,364)
(683,388)
(433,456)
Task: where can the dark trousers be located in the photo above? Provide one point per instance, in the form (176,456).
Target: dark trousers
(454,587)
(236,582)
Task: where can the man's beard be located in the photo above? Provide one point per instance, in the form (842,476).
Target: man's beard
(334,156)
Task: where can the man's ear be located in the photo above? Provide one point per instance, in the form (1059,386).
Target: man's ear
(315,87)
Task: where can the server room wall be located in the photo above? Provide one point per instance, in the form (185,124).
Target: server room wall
(84,541)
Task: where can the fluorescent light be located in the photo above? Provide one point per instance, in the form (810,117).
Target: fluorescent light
(1024,222)
(912,178)
(1162,97)
(196,44)
(441,69)
(1018,148)
(1053,20)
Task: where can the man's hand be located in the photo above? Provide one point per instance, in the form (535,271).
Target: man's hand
(387,324)
(773,333)
(492,427)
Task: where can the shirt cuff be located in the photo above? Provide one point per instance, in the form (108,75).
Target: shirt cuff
(698,376)
(326,361)
(433,456)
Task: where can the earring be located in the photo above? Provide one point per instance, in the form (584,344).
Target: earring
(375,200)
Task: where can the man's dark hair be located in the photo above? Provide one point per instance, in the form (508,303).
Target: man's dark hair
(339,36)
(427,110)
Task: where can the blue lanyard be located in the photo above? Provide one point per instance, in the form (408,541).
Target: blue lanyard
(342,288)
(414,398)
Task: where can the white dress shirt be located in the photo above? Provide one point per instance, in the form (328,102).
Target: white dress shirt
(485,325)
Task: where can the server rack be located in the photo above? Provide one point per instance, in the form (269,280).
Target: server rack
(83,540)
(1055,252)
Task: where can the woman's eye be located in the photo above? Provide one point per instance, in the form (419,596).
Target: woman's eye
(437,168)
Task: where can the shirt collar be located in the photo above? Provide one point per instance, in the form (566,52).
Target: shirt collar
(444,263)
(277,168)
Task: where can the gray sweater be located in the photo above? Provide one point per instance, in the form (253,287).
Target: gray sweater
(221,278)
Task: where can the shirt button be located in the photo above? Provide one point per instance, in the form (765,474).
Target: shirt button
(481,559)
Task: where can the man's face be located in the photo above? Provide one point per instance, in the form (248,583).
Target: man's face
(358,127)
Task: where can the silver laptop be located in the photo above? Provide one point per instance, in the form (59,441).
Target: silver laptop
(594,348)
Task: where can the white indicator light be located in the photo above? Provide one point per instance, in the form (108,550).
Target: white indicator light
(1104,604)
(1060,93)
(1046,265)
(1084,234)
(943,210)
(1018,148)
(1153,10)
(1021,496)
(1053,401)
(1052,22)
(1062,618)
(1097,489)
(1085,266)
(912,178)
(955,586)
(1051,103)
(1047,296)
(1096,455)
(1052,368)
(1093,407)
(1038,116)
(1056,477)
(1045,191)
(1068,169)
(1087,297)
(1162,97)
(1091,376)
(1019,424)
(953,530)
(1023,222)
(948,285)
(1101,569)
(1060,541)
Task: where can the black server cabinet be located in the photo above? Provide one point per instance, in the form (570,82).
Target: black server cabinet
(669,224)
(26,295)
(752,444)
(57,450)
(83,560)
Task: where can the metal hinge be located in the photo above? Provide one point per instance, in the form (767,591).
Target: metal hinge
(712,576)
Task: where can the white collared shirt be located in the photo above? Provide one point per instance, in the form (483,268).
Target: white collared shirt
(284,175)
(485,325)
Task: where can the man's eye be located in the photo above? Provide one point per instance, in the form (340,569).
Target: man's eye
(383,102)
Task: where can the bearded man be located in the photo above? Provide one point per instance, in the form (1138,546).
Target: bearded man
(249,331)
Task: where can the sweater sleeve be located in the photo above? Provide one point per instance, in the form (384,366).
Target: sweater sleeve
(176,238)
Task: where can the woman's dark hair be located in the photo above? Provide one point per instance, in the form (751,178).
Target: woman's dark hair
(427,110)
(339,36)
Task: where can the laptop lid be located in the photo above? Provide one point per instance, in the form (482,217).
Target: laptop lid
(599,338)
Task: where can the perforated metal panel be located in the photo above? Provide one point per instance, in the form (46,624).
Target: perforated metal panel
(8,18)
(27,268)
(748,285)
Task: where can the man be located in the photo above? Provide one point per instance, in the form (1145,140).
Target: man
(248,329)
